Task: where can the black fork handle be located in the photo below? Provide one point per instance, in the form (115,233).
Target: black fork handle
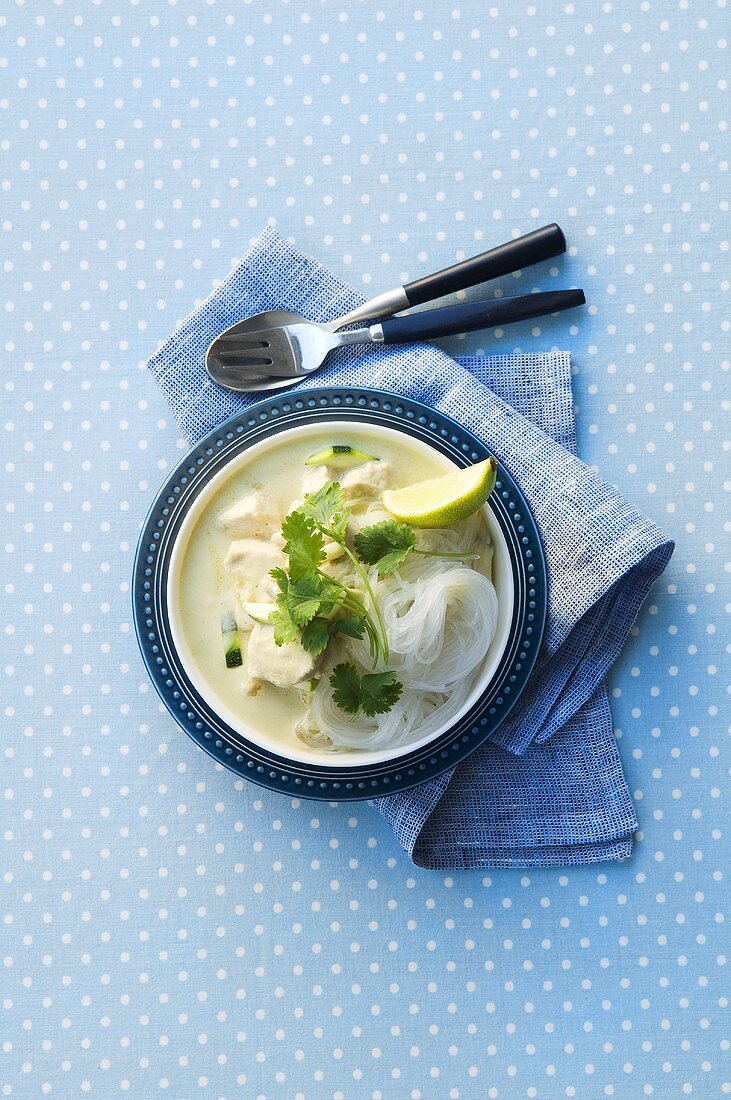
(469,316)
(532,248)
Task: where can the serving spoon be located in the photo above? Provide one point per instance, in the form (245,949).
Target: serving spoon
(272,358)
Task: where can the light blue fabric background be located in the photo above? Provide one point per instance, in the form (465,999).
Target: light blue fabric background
(168,930)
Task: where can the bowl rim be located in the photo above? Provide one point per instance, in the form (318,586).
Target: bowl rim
(328,781)
(488,665)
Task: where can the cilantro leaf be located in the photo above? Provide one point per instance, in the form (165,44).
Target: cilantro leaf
(315,636)
(379,692)
(281,578)
(308,599)
(385,545)
(374,693)
(327,508)
(285,629)
(302,598)
(345,682)
(331,595)
(354,628)
(303,544)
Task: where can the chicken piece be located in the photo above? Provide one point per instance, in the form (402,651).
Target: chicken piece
(269,588)
(251,517)
(297,503)
(314,478)
(249,561)
(284,665)
(367,480)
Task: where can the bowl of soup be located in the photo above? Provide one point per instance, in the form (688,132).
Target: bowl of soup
(221,566)
(307,638)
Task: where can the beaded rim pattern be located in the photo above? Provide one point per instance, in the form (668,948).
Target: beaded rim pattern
(193,713)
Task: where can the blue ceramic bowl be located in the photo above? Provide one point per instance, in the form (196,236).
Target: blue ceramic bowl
(521,586)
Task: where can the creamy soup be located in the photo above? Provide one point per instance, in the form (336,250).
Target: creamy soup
(201,590)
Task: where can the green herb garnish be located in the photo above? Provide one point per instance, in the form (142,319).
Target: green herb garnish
(303,546)
(312,598)
(387,545)
(312,605)
(354,628)
(372,693)
(316,635)
(328,510)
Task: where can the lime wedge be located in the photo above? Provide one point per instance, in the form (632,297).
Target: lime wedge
(340,456)
(443,500)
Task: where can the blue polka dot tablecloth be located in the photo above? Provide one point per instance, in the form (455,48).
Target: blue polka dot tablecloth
(167,929)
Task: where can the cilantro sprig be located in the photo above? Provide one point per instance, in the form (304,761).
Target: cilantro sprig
(311,605)
(372,693)
(329,510)
(387,545)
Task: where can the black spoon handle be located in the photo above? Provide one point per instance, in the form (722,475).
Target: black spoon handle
(468,316)
(541,244)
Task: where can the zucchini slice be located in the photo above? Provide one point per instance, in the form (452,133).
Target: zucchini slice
(231,643)
(340,456)
(259,612)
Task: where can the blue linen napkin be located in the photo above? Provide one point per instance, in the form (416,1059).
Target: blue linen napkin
(549,788)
